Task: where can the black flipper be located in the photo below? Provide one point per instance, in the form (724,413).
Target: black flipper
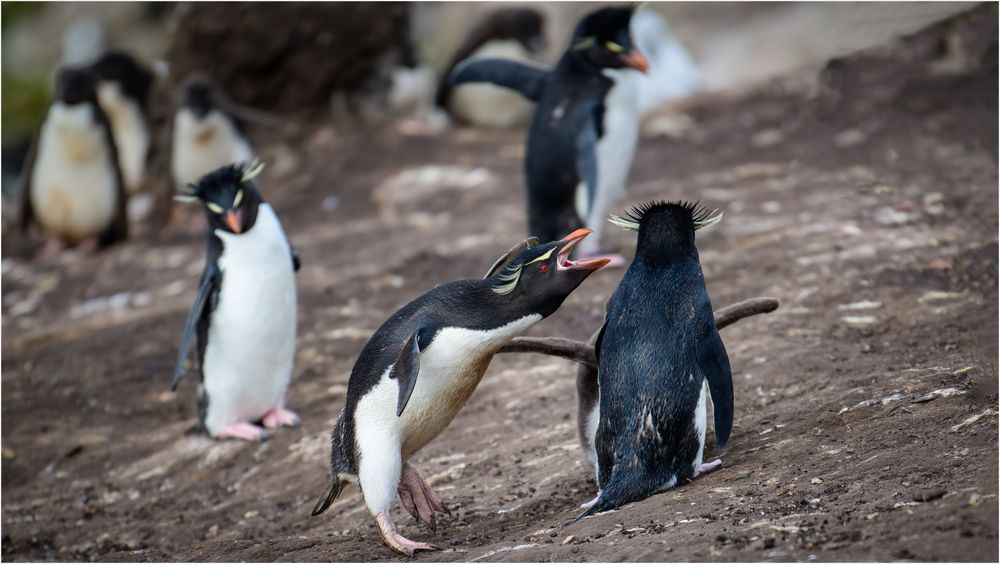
(329,496)
(27,212)
(586,159)
(118,230)
(296,263)
(405,370)
(528,80)
(714,364)
(209,280)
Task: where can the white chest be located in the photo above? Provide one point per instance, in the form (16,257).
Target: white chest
(131,134)
(251,339)
(450,369)
(74,189)
(202,146)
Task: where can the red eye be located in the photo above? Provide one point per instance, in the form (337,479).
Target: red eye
(544,268)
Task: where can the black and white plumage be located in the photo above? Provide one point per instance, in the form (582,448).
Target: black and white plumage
(562,141)
(206,133)
(72,186)
(659,354)
(245,312)
(507,33)
(423,363)
(123,90)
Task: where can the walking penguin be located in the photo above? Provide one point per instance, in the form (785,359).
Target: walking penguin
(423,363)
(658,355)
(562,141)
(244,313)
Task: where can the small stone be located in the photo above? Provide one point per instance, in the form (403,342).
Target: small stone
(849,137)
(250,514)
(742,475)
(568,539)
(816,481)
(767,138)
(9,454)
(871,516)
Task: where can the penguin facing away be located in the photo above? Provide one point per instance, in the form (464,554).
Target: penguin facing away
(562,139)
(507,33)
(659,354)
(420,367)
(205,135)
(72,186)
(123,90)
(245,310)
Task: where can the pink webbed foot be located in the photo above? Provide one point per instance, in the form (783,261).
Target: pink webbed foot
(709,467)
(417,497)
(396,541)
(52,247)
(280,417)
(243,430)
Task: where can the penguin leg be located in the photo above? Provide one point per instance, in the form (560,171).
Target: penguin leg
(243,430)
(396,541)
(709,467)
(418,498)
(590,503)
(280,417)
(53,247)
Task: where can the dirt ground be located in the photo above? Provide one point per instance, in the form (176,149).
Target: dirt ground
(866,423)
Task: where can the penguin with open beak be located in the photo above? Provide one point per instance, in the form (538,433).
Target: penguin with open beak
(245,310)
(424,362)
(72,186)
(659,355)
(561,150)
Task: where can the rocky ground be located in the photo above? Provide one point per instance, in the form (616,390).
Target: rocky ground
(866,424)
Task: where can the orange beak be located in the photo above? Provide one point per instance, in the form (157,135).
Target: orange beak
(234,219)
(570,241)
(634,59)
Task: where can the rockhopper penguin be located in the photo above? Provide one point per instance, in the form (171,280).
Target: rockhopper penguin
(244,313)
(562,140)
(205,135)
(123,89)
(659,353)
(424,362)
(72,186)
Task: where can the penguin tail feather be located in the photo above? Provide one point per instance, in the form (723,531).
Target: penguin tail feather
(623,488)
(329,496)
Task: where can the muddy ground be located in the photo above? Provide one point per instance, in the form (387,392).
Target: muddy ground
(866,424)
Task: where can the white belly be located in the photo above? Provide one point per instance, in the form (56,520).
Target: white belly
(251,339)
(131,134)
(488,105)
(450,369)
(202,146)
(74,192)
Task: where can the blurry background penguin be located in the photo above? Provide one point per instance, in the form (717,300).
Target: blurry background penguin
(245,311)
(123,90)
(206,133)
(671,74)
(72,186)
(507,33)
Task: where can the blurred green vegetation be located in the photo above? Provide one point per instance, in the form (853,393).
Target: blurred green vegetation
(24,99)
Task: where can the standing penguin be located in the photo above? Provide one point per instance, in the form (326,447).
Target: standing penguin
(123,90)
(205,135)
(658,355)
(72,186)
(507,33)
(562,140)
(244,313)
(424,362)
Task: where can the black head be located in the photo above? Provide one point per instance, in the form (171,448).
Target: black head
(525,25)
(666,228)
(199,95)
(602,38)
(76,86)
(537,278)
(134,79)
(230,197)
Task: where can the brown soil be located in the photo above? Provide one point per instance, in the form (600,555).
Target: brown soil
(869,207)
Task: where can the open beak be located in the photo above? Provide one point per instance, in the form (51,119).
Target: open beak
(234,219)
(634,59)
(567,244)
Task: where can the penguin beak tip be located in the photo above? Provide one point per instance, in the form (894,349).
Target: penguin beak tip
(636,60)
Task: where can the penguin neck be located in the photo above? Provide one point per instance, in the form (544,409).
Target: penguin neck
(573,65)
(666,254)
